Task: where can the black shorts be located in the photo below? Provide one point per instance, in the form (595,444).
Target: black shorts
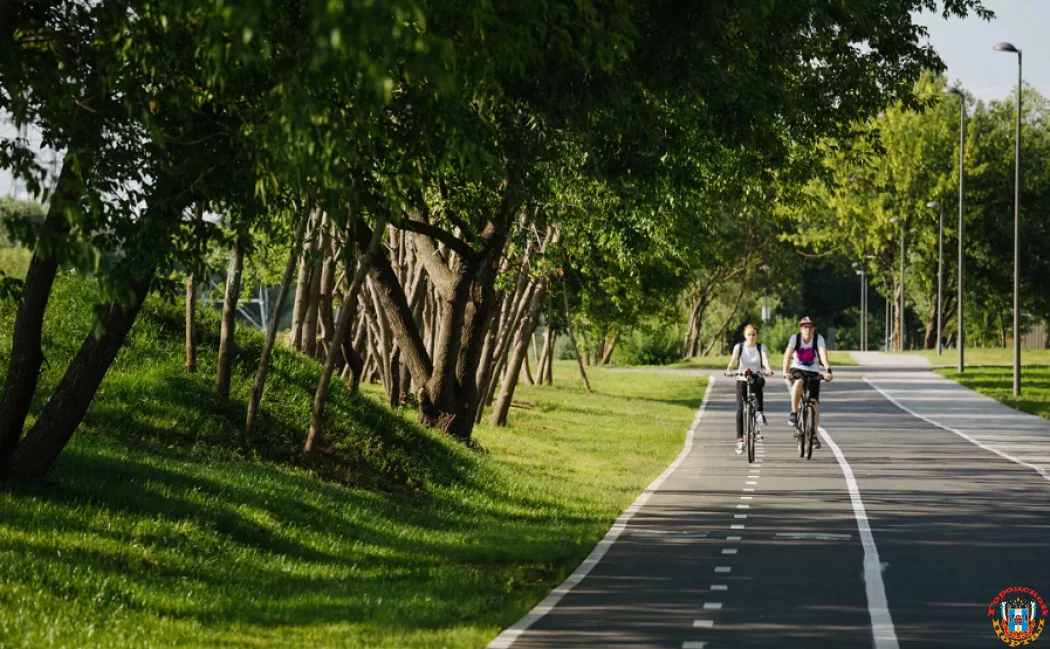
(814,386)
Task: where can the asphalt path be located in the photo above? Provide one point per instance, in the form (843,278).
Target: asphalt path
(898,533)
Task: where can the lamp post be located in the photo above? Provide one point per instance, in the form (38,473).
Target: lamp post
(863,342)
(900,310)
(940,268)
(960,315)
(1007,47)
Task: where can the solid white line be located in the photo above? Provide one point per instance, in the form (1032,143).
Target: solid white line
(878,608)
(713,606)
(510,634)
(703,624)
(723,569)
(1006,456)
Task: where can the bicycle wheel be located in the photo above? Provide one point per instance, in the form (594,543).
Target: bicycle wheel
(807,418)
(749,432)
(800,439)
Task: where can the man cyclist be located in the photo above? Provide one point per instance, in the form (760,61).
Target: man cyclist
(803,352)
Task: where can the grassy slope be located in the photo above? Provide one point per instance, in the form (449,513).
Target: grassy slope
(157,529)
(997,382)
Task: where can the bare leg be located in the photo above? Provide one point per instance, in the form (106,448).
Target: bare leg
(816,412)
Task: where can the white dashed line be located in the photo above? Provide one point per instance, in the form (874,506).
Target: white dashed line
(719,587)
(743,506)
(748,489)
(736,527)
(723,569)
(751,482)
(732,538)
(739,515)
(703,624)
(690,644)
(728,550)
(712,606)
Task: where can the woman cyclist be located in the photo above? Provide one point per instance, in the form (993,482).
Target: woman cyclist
(749,355)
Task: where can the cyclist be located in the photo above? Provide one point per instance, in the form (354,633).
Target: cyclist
(804,350)
(749,355)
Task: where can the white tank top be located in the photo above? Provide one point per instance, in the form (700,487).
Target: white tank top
(750,359)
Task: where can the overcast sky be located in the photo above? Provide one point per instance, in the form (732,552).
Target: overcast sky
(965,46)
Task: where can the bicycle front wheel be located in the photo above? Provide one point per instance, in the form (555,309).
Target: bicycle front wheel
(810,431)
(750,434)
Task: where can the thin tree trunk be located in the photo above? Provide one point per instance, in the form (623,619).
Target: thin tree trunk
(302,285)
(271,334)
(930,339)
(729,318)
(191,312)
(610,347)
(27,354)
(67,406)
(510,380)
(313,304)
(229,317)
(528,370)
(572,336)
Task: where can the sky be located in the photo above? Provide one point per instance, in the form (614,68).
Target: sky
(964,45)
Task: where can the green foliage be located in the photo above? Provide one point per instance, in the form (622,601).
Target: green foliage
(657,346)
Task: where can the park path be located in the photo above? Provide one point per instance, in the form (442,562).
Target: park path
(926,501)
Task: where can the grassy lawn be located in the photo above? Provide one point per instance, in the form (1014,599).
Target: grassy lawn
(776,361)
(986,356)
(158,529)
(997,382)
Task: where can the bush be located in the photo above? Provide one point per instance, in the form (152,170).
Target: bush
(656,347)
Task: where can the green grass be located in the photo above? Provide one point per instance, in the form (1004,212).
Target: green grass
(997,382)
(776,361)
(985,356)
(157,529)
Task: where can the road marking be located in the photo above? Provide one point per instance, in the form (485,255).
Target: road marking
(712,606)
(746,497)
(679,533)
(748,489)
(703,624)
(812,536)
(723,569)
(1006,456)
(739,515)
(732,538)
(510,634)
(719,587)
(690,644)
(743,506)
(728,550)
(878,608)
(736,527)
(752,477)
(752,481)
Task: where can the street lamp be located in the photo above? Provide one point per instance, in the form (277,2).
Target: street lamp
(900,309)
(940,267)
(960,311)
(1007,47)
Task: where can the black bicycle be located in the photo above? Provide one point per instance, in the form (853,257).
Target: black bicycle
(750,412)
(806,425)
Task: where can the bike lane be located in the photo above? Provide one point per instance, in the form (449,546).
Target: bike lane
(954,523)
(726,554)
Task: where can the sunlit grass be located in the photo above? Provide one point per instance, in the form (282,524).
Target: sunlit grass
(997,382)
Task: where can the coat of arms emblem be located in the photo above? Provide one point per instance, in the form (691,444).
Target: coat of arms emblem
(1018,615)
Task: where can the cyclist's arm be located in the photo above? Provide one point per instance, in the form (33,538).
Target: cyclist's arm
(734,359)
(787,358)
(824,359)
(765,361)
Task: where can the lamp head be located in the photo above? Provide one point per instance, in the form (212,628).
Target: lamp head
(895,220)
(1005,47)
(933,204)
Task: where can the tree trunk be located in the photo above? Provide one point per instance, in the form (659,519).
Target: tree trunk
(610,347)
(313,303)
(572,336)
(66,408)
(729,318)
(27,354)
(693,336)
(930,339)
(528,370)
(302,285)
(521,348)
(229,317)
(271,334)
(550,359)
(191,313)
(313,438)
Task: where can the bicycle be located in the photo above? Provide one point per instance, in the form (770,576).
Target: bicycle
(750,411)
(805,427)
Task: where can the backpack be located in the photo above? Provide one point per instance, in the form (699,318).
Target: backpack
(804,356)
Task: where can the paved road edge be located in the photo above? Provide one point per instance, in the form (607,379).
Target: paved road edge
(505,639)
